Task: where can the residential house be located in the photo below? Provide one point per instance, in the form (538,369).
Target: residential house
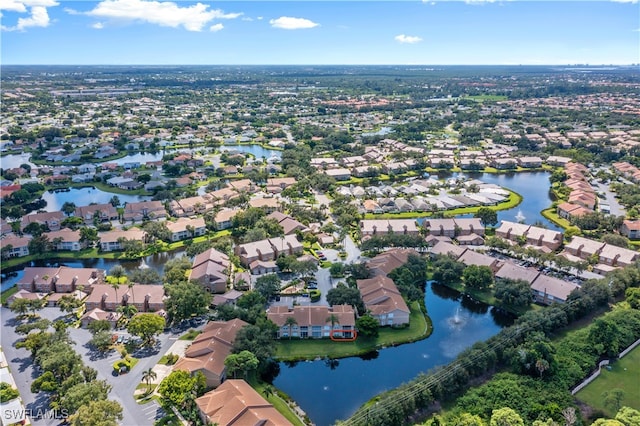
(371,206)
(339,174)
(544,238)
(66,240)
(447,249)
(14,246)
(389,260)
(441,227)
(468,226)
(211,269)
(60,279)
(548,290)
(469,240)
(370,228)
(617,256)
(267,204)
(530,162)
(186,228)
(151,210)
(269,249)
(260,267)
(512,231)
(383,300)
(145,297)
(191,205)
(583,248)
(313,321)
(470,257)
(229,298)
(113,240)
(52,220)
(209,350)
(631,229)
(585,199)
(569,210)
(236,403)
(511,271)
(54,298)
(504,163)
(288,223)
(100,212)
(224,218)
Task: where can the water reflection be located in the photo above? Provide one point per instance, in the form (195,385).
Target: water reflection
(357,379)
(10,276)
(369,356)
(473,305)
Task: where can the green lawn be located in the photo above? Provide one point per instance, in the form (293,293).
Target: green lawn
(625,375)
(8,293)
(513,200)
(277,402)
(490,98)
(551,214)
(419,328)
(190,335)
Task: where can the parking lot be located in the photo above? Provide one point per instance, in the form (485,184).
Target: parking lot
(123,386)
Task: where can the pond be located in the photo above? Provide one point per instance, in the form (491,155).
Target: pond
(155,261)
(84,197)
(15,160)
(258,151)
(533,186)
(330,391)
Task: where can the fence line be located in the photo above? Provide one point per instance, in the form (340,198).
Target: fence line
(602,363)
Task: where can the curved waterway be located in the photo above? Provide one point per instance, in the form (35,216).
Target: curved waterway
(10,276)
(534,187)
(331,391)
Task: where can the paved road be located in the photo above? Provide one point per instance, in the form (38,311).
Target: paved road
(616,208)
(123,386)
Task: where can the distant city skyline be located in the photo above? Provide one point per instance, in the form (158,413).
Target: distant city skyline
(472,32)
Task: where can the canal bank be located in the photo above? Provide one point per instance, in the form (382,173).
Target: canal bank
(346,384)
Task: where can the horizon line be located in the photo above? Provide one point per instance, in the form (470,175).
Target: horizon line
(342,64)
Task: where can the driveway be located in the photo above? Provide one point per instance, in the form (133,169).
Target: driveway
(123,386)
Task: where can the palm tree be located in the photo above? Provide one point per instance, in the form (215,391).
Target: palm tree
(267,391)
(148,376)
(127,310)
(130,285)
(290,321)
(333,319)
(116,272)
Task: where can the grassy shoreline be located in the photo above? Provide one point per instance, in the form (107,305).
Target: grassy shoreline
(420,327)
(94,253)
(514,200)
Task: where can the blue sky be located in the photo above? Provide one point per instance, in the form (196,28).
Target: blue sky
(323,32)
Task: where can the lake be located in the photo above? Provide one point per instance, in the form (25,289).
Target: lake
(15,160)
(84,197)
(155,261)
(533,186)
(329,392)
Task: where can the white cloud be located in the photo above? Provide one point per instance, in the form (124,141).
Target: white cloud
(625,1)
(38,9)
(476,2)
(216,27)
(166,14)
(289,23)
(13,6)
(98,25)
(401,38)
